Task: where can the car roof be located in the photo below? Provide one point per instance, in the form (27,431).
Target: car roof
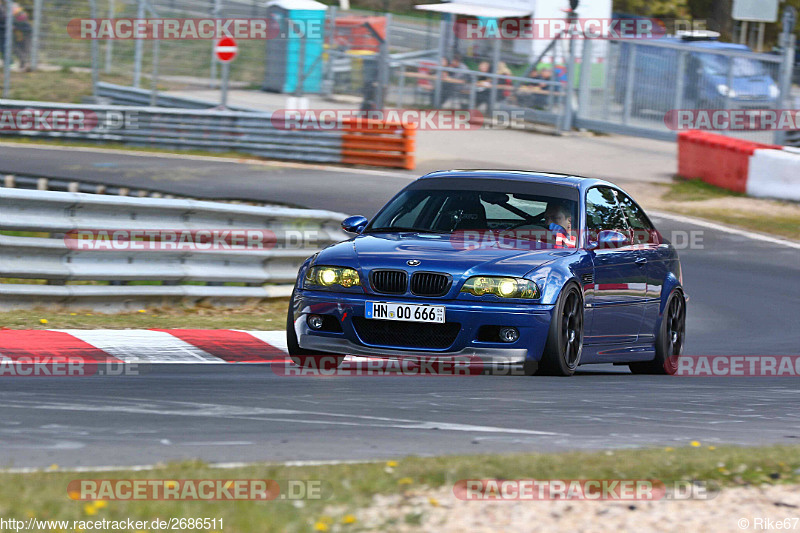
(713,45)
(533,176)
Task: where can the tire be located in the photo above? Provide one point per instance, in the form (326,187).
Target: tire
(306,358)
(669,341)
(562,351)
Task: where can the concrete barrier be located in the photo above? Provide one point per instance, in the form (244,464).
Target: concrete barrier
(756,169)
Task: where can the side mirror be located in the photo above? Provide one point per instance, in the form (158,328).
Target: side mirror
(608,239)
(354,224)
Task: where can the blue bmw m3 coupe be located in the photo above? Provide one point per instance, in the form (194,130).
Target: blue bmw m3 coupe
(536,271)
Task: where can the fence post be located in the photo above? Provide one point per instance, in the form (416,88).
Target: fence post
(213,75)
(787,42)
(37,28)
(570,89)
(383,66)
(95,50)
(109,42)
(584,87)
(330,81)
(679,88)
(493,89)
(630,79)
(137,51)
(8,57)
(154,81)
(437,86)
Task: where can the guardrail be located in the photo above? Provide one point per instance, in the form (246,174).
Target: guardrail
(793,138)
(132,96)
(34,245)
(250,132)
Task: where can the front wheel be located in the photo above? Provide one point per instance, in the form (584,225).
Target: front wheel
(669,341)
(562,352)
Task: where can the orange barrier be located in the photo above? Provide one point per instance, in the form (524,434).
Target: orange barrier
(379,143)
(716,159)
(352,33)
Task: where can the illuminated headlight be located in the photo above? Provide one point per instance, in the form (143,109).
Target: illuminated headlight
(774,92)
(724,90)
(329,276)
(502,287)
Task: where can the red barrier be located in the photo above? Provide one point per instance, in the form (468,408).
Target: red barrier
(716,159)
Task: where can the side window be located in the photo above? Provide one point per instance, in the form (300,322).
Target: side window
(602,211)
(643,230)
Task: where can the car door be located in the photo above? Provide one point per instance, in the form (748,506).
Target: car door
(649,243)
(620,279)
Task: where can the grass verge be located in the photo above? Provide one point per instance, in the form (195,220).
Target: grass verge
(270,315)
(62,85)
(350,487)
(699,199)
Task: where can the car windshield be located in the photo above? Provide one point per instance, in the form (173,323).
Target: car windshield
(742,66)
(446,211)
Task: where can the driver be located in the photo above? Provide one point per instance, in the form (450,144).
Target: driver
(559,222)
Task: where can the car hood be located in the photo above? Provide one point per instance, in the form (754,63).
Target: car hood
(439,253)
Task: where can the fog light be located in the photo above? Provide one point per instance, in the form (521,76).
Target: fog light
(508,334)
(314,321)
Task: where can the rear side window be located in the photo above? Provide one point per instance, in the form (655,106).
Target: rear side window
(643,230)
(603,212)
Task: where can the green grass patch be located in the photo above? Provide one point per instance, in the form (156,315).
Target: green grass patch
(350,487)
(270,315)
(778,226)
(694,190)
(62,85)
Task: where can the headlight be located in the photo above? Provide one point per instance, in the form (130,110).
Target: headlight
(725,91)
(502,287)
(328,276)
(774,92)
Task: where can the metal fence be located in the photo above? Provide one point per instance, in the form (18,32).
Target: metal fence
(642,82)
(423,83)
(630,87)
(38,266)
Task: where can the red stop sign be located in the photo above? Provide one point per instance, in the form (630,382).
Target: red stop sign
(226,49)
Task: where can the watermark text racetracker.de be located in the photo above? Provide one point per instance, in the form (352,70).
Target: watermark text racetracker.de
(65,120)
(192,28)
(733,119)
(738,366)
(188,240)
(553,28)
(198,489)
(73,366)
(381,120)
(582,489)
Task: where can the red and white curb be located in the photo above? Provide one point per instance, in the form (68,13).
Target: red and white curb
(145,345)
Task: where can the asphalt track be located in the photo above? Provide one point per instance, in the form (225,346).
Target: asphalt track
(744,301)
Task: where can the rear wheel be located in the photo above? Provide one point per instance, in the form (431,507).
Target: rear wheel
(562,352)
(301,356)
(669,341)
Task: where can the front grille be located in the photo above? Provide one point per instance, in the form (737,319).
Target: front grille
(429,284)
(389,281)
(406,334)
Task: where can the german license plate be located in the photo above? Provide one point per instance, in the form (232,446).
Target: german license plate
(405,312)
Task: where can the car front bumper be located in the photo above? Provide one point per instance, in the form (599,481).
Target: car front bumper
(531,320)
